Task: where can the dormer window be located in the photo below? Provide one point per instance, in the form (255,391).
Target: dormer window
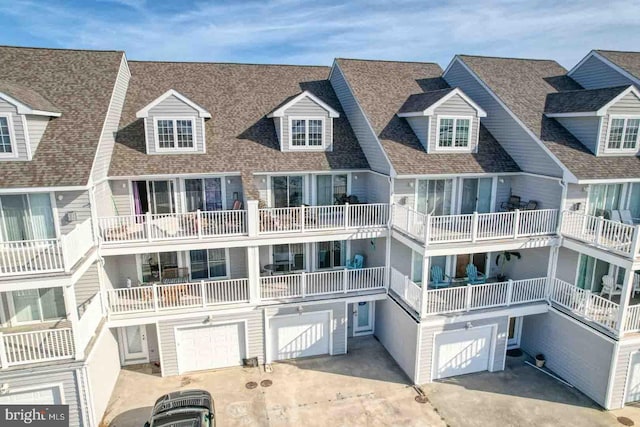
(174,134)
(6,132)
(307,132)
(623,134)
(454,132)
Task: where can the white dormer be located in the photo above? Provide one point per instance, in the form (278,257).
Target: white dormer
(174,124)
(444,120)
(24,115)
(607,120)
(304,122)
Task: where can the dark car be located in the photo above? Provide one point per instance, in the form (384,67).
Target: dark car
(188,408)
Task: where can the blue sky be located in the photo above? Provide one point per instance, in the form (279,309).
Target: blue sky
(314,32)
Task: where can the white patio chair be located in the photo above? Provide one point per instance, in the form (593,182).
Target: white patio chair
(610,287)
(626,217)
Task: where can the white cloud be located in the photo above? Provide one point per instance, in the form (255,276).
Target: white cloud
(287,31)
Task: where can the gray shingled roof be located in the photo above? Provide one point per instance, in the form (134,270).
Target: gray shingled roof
(629,61)
(523,86)
(239,136)
(580,101)
(28,96)
(382,87)
(419,102)
(79,83)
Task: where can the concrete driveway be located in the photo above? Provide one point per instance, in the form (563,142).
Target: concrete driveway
(364,387)
(518,396)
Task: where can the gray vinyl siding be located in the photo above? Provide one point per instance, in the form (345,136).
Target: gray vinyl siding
(420,126)
(575,353)
(86,287)
(374,254)
(366,136)
(104,199)
(534,263)
(595,74)
(567,264)
(620,375)
(370,187)
(403,193)
(628,105)
(33,378)
(118,268)
(112,120)
(427,340)
(102,368)
(360,185)
(233,185)
(19,144)
(36,125)
(120,197)
(172,107)
(398,333)
(72,201)
(576,194)
(238,263)
(306,108)
(152,343)
(338,313)
(277,123)
(503,191)
(456,106)
(400,257)
(166,334)
(584,128)
(547,192)
(529,155)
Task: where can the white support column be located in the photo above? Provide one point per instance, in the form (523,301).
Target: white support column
(4,362)
(253,270)
(253,218)
(627,288)
(71,308)
(551,268)
(426,266)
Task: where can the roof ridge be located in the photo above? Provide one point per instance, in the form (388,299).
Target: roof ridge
(389,60)
(507,57)
(60,48)
(227,63)
(617,51)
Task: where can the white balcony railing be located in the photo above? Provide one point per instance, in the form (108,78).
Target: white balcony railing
(303,284)
(318,218)
(475,227)
(584,303)
(156,298)
(611,235)
(633,319)
(406,289)
(32,256)
(159,227)
(35,346)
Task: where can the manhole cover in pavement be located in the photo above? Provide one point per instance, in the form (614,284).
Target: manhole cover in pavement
(251,385)
(421,399)
(625,421)
(266,383)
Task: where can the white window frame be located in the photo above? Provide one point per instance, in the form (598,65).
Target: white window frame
(306,146)
(306,249)
(453,136)
(271,198)
(175,149)
(626,117)
(12,136)
(227,265)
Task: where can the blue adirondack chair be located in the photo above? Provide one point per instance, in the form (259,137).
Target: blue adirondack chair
(438,278)
(356,262)
(474,277)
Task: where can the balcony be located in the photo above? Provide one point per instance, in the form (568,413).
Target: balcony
(46,255)
(613,236)
(434,230)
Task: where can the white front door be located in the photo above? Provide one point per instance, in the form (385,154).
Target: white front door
(633,380)
(45,395)
(463,351)
(210,346)
(363,317)
(515,330)
(133,344)
(299,335)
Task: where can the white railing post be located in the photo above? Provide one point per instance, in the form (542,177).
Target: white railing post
(509,292)
(4,362)
(427,229)
(599,230)
(587,303)
(302,219)
(468,297)
(203,293)
(346,215)
(154,295)
(408,227)
(199,223)
(65,253)
(253,218)
(345,280)
(303,284)
(516,224)
(474,227)
(635,245)
(147,225)
(405,289)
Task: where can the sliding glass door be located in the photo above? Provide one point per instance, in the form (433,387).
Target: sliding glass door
(156,197)
(476,195)
(603,198)
(208,264)
(590,273)
(330,189)
(434,196)
(203,194)
(38,305)
(288,191)
(26,217)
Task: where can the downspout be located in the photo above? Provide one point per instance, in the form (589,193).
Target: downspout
(389,227)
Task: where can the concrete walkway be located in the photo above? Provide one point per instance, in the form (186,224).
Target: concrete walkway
(364,387)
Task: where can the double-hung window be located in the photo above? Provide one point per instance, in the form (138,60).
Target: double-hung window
(175,134)
(454,132)
(623,133)
(208,264)
(6,137)
(306,132)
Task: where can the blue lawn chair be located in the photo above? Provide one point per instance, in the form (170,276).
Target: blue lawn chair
(474,277)
(438,278)
(356,262)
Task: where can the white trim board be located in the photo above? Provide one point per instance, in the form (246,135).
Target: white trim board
(431,110)
(280,111)
(144,113)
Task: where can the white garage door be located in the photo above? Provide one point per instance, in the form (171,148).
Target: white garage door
(462,352)
(302,335)
(633,382)
(42,396)
(210,347)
